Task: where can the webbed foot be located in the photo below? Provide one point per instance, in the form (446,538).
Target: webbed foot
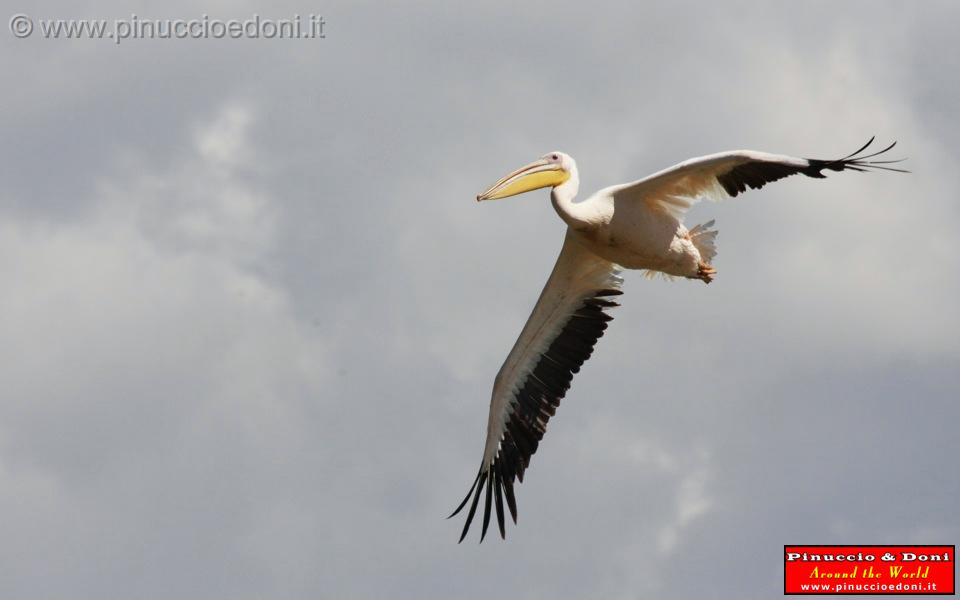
(705,272)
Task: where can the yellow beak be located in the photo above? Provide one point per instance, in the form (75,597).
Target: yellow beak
(536,175)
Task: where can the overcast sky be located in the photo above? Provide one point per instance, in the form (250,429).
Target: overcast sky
(251,313)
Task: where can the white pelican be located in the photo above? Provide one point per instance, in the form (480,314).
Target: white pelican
(637,225)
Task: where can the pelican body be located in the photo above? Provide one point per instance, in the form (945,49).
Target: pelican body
(637,225)
(613,225)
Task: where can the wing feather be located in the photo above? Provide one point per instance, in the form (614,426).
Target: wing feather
(559,336)
(570,315)
(729,174)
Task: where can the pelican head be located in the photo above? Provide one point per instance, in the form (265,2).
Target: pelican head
(550,170)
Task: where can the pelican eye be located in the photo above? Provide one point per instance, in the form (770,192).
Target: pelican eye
(555,157)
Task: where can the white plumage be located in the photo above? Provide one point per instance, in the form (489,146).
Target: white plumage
(637,225)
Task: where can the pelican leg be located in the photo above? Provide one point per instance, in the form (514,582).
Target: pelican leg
(705,272)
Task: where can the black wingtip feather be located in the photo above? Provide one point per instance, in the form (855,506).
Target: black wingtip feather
(498,498)
(861,149)
(756,174)
(877,153)
(473,505)
(486,506)
(467,497)
(853,162)
(532,406)
(511,501)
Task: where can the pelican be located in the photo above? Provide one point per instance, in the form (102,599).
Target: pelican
(637,225)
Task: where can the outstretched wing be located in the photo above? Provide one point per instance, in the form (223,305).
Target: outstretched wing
(717,176)
(559,337)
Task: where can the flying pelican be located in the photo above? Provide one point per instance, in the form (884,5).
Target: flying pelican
(637,225)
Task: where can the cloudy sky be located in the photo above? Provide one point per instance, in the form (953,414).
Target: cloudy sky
(251,314)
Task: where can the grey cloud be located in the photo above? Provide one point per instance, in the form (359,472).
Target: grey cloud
(253,313)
